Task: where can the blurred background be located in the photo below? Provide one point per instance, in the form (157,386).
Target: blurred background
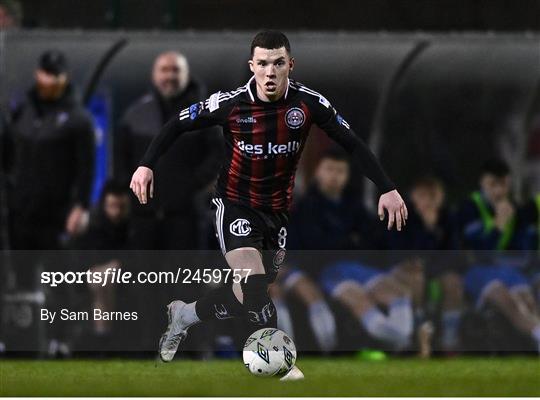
(445,93)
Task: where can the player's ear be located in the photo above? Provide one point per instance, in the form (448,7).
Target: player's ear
(250,62)
(291,64)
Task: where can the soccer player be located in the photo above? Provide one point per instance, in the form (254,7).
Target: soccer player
(265,124)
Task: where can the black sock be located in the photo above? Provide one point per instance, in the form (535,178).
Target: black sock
(220,303)
(259,309)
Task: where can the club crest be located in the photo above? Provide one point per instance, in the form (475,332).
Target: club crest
(295,117)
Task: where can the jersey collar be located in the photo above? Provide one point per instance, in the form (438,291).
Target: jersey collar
(252,91)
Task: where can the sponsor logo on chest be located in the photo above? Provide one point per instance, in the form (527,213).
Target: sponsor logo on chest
(291,147)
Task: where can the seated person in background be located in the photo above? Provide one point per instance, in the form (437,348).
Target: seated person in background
(430,228)
(327,217)
(320,316)
(487,221)
(362,289)
(108,230)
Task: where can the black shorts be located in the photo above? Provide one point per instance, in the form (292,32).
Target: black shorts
(239,226)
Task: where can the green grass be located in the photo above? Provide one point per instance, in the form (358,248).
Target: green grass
(324,377)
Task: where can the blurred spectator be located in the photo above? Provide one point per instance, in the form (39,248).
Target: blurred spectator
(328,217)
(320,316)
(10,14)
(488,222)
(189,166)
(108,230)
(430,227)
(51,155)
(52,142)
(363,290)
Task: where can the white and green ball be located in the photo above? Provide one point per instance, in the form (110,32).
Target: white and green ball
(269,352)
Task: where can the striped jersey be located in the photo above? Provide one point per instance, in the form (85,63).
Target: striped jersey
(263,140)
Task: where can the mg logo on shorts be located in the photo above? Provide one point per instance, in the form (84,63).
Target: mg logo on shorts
(240,227)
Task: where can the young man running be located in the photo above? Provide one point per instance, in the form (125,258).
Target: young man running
(265,124)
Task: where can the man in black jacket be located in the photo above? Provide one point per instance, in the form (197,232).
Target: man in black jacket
(192,164)
(52,151)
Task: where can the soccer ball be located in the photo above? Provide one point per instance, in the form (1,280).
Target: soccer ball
(269,352)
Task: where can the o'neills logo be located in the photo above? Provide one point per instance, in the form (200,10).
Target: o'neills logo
(247,120)
(270,148)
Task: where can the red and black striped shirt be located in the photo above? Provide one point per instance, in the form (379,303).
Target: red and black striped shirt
(264,141)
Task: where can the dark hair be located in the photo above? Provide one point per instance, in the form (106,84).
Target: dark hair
(496,167)
(270,40)
(54,62)
(335,154)
(428,181)
(112,187)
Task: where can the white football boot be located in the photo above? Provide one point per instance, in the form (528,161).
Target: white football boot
(293,375)
(176,331)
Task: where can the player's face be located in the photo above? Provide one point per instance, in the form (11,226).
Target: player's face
(50,86)
(332,176)
(116,208)
(271,68)
(495,188)
(170,74)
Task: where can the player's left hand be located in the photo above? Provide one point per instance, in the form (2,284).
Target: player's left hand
(395,207)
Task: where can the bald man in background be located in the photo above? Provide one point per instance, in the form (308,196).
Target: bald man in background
(192,164)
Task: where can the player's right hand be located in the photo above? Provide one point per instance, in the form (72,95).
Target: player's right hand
(141,179)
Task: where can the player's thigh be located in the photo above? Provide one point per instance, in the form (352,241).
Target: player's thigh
(237,227)
(275,242)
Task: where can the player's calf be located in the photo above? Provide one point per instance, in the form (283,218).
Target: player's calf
(259,308)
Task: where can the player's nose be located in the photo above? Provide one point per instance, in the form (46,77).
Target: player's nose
(270,71)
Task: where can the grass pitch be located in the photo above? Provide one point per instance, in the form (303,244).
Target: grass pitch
(324,377)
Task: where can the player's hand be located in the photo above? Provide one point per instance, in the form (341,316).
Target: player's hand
(395,207)
(141,179)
